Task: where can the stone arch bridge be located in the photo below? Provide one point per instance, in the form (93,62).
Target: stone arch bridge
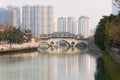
(69,41)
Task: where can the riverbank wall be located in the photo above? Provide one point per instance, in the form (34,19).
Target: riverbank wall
(115,54)
(6,48)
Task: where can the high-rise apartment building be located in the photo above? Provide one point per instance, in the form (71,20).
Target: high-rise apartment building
(72,25)
(55,25)
(10,15)
(26,17)
(38,18)
(67,25)
(62,24)
(115,6)
(83,26)
(16,17)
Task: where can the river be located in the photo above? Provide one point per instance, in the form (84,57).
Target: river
(49,64)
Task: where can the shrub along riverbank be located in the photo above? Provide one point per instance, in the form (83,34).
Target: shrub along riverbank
(111,67)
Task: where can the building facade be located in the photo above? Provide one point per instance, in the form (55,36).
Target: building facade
(10,16)
(67,25)
(26,17)
(75,26)
(38,18)
(16,17)
(115,6)
(72,25)
(83,26)
(62,24)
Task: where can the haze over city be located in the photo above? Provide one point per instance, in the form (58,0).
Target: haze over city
(94,9)
(59,40)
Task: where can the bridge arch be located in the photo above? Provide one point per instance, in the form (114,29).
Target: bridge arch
(69,41)
(51,43)
(81,45)
(72,43)
(66,42)
(44,45)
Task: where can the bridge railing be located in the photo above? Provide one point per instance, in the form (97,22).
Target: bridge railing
(64,38)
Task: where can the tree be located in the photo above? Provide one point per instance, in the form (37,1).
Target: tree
(11,34)
(100,33)
(108,31)
(113,34)
(28,34)
(1,36)
(17,36)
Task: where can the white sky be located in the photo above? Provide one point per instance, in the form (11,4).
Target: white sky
(94,9)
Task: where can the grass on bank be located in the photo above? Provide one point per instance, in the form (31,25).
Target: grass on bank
(112,68)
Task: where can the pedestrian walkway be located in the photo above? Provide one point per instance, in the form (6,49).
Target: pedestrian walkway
(115,54)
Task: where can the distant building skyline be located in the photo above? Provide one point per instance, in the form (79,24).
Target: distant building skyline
(62,24)
(10,15)
(26,17)
(38,18)
(94,9)
(67,24)
(74,25)
(83,26)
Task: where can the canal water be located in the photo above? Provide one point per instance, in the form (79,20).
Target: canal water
(49,64)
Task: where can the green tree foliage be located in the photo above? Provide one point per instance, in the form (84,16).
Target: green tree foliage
(28,34)
(12,35)
(1,36)
(113,35)
(100,33)
(108,31)
(17,36)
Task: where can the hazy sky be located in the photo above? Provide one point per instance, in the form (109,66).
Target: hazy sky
(94,9)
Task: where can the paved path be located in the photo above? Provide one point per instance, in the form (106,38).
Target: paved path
(115,55)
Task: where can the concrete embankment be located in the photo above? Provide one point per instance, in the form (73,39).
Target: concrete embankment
(114,54)
(18,47)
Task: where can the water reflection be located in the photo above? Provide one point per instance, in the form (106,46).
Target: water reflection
(62,49)
(42,66)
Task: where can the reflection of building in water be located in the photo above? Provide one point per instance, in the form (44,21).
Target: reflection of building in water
(17,66)
(17,57)
(47,67)
(69,66)
(66,66)
(50,67)
(72,67)
(84,63)
(61,50)
(86,68)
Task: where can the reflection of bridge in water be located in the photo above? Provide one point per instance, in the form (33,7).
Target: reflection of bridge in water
(40,66)
(66,39)
(63,50)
